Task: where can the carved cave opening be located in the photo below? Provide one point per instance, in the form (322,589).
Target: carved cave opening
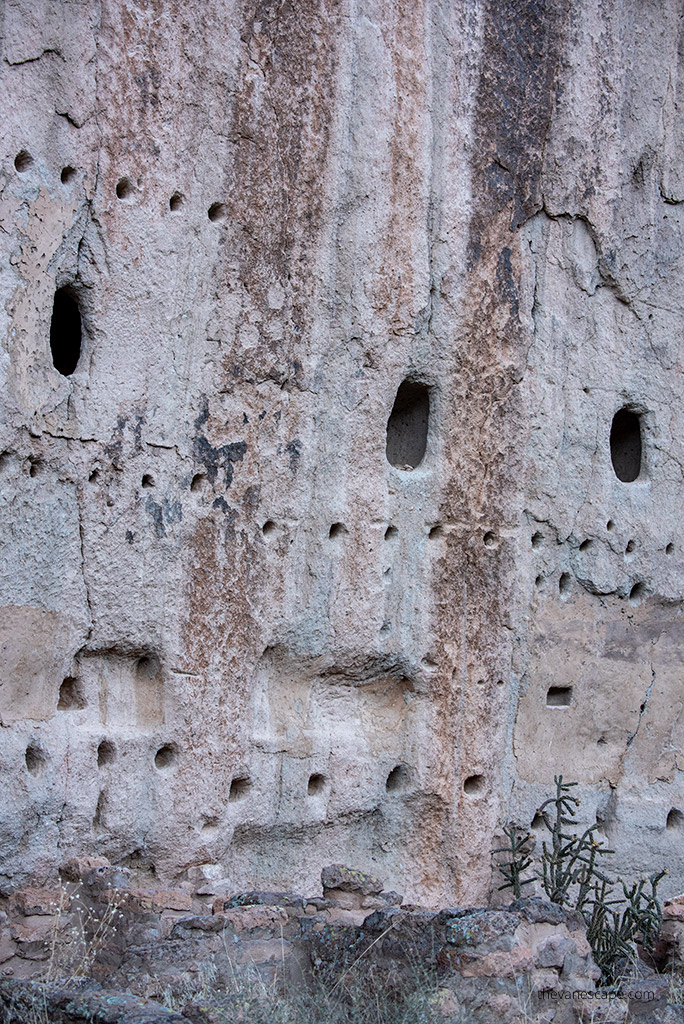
(625,445)
(65,332)
(407,426)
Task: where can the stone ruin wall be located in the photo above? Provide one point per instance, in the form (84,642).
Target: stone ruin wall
(233,632)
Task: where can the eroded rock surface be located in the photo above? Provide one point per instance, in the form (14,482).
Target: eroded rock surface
(319,531)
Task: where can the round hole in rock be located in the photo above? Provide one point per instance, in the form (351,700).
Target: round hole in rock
(71,696)
(407,426)
(94,476)
(397,779)
(391,533)
(337,530)
(586,544)
(537,823)
(315,785)
(537,539)
(490,539)
(436,532)
(669,550)
(176,202)
(473,785)
(630,547)
(147,480)
(22,161)
(65,332)
(675,819)
(625,445)
(499,682)
(198,483)
(239,788)
(637,593)
(165,756)
(35,467)
(539,581)
(106,753)
(36,759)
(68,174)
(216,212)
(125,189)
(269,529)
(610,525)
(564,584)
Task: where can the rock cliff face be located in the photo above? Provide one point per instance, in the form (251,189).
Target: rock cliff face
(322,537)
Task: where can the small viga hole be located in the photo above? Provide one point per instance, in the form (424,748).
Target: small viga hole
(316,784)
(407,426)
(474,785)
(125,189)
(106,753)
(337,531)
(559,696)
(626,445)
(36,759)
(68,174)
(65,332)
(176,202)
(71,696)
(239,788)
(216,212)
(165,757)
(22,161)
(675,819)
(397,779)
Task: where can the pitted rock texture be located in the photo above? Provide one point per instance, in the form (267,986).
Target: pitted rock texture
(257,260)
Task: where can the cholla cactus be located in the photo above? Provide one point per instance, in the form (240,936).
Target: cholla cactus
(571,877)
(519,860)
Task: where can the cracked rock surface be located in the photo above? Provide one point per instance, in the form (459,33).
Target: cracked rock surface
(321,541)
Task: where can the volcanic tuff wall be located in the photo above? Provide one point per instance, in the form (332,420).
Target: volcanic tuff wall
(232,630)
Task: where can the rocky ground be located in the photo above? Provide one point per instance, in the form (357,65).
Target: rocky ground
(98,947)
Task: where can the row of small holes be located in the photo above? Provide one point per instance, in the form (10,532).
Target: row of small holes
(126,190)
(537,540)
(23,160)
(391,533)
(675,819)
(636,594)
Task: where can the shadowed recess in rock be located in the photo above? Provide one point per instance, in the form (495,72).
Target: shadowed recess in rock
(559,696)
(407,426)
(65,332)
(625,445)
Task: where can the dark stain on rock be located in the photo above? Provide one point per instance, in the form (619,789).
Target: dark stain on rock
(163,514)
(294,450)
(506,281)
(114,448)
(219,458)
(521,54)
